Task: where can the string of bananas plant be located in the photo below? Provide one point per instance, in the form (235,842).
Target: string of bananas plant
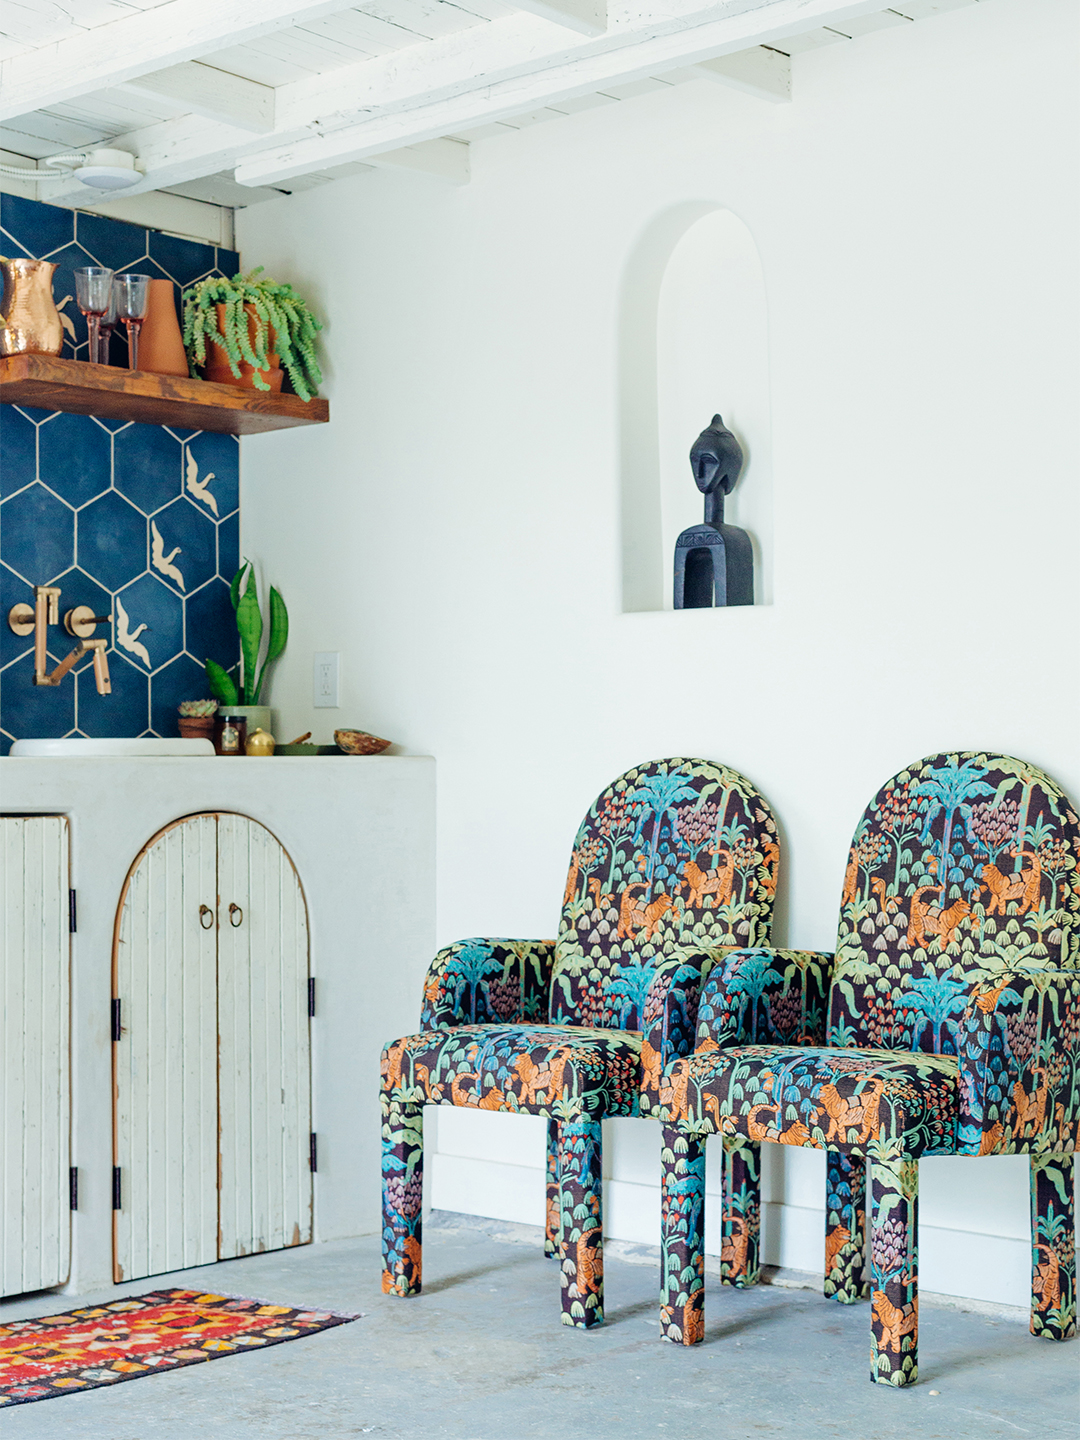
(283,323)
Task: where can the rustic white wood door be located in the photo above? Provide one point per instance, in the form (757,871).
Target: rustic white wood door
(213,1109)
(165,1055)
(264,1086)
(35,966)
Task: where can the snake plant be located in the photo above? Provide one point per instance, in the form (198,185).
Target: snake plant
(246,687)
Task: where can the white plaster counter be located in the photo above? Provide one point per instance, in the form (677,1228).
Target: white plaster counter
(361,832)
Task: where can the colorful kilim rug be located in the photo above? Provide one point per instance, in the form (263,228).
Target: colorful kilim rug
(143,1335)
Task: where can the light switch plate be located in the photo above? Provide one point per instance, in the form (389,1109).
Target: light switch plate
(326,679)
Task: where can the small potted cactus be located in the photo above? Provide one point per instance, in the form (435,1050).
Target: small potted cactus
(196,720)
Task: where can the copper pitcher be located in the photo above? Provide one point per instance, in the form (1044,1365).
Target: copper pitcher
(29,320)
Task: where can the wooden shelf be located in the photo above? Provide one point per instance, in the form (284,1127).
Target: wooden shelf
(48,383)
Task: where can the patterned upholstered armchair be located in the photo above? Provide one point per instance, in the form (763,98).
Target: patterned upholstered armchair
(946,1023)
(675,859)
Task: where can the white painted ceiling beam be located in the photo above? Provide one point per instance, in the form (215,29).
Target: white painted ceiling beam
(591,67)
(213,94)
(442,159)
(141,42)
(760,71)
(427,91)
(587,17)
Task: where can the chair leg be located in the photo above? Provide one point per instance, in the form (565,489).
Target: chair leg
(551,1210)
(740,1261)
(581,1238)
(894,1271)
(1053,1251)
(402,1194)
(845,1228)
(682,1235)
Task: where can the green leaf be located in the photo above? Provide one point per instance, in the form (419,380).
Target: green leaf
(279,625)
(250,625)
(221,684)
(234,587)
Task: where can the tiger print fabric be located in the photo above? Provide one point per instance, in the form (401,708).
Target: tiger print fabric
(953,1027)
(674,859)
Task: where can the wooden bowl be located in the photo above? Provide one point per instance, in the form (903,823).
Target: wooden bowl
(359,742)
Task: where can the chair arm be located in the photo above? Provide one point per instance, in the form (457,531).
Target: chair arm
(483,982)
(1019,1056)
(762,996)
(669,1019)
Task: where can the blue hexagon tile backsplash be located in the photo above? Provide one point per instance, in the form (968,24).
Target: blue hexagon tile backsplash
(138,521)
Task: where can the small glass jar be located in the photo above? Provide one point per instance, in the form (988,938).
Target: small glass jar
(230,733)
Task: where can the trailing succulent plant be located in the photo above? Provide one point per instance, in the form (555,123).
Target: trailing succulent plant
(242,685)
(283,323)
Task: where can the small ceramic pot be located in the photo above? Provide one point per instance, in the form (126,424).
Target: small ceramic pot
(161,346)
(217,369)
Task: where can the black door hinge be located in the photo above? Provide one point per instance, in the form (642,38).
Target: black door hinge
(311,996)
(116,1029)
(73,1187)
(72,912)
(313,1157)
(116,1188)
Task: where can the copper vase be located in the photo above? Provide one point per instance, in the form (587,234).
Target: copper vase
(161,346)
(29,319)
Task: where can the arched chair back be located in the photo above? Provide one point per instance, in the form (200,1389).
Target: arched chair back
(963,865)
(675,852)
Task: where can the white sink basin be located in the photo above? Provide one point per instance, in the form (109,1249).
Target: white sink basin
(115,749)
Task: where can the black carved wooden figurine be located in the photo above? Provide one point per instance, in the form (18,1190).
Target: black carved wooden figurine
(714,562)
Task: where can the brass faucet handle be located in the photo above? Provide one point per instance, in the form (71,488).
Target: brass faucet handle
(81,621)
(21,619)
(101,665)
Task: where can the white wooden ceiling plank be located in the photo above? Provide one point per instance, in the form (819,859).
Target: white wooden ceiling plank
(860,25)
(429,18)
(144,41)
(810,40)
(216,94)
(486,9)
(17,142)
(119,111)
(58,131)
(645,86)
(362,34)
(317,54)
(924,9)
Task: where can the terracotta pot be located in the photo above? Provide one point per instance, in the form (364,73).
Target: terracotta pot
(195,727)
(217,367)
(161,346)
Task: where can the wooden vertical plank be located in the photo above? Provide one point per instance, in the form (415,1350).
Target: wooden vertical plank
(166,1087)
(265,1045)
(35,1230)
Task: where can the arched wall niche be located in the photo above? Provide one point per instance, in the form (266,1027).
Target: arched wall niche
(694,343)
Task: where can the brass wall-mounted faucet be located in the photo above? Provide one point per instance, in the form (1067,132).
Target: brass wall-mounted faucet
(81,622)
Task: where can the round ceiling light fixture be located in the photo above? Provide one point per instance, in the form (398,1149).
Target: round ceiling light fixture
(99,169)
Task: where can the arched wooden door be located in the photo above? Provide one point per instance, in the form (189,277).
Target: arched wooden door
(211,1050)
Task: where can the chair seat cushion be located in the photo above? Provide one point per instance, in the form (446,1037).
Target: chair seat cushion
(852,1100)
(562,1071)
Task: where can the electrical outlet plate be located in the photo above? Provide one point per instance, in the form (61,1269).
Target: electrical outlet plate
(326,679)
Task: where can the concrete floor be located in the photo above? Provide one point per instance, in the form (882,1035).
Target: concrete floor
(481,1356)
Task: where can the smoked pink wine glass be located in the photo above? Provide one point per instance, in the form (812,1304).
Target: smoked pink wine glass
(93,293)
(132,298)
(107,324)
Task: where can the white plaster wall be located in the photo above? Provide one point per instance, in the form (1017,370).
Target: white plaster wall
(455,531)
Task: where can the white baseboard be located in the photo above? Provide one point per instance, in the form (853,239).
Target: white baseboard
(992,1269)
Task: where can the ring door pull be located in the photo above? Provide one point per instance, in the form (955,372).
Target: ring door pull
(206,917)
(236,915)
